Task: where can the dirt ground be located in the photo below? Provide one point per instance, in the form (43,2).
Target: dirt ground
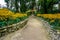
(35,30)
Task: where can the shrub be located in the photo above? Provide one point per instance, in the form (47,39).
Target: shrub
(7,17)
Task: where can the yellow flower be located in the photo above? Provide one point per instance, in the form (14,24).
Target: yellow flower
(52,20)
(5,13)
(50,16)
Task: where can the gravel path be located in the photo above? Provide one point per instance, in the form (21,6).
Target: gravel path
(35,30)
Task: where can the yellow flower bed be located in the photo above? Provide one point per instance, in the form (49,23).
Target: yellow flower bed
(17,15)
(5,13)
(50,16)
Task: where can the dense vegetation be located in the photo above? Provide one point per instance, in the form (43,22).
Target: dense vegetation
(42,6)
(46,7)
(7,17)
(53,19)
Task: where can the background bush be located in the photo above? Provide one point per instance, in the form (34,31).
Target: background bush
(7,17)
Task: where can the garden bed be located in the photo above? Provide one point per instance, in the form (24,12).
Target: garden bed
(8,17)
(53,20)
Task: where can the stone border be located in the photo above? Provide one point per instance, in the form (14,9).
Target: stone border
(54,34)
(12,28)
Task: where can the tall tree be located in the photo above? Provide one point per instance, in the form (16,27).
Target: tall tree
(33,4)
(7,1)
(23,6)
(16,6)
(47,5)
(59,6)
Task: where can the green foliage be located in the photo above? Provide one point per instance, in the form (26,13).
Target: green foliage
(46,5)
(11,21)
(55,24)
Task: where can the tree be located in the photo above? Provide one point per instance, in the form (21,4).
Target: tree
(47,5)
(59,6)
(16,6)
(7,1)
(44,6)
(23,6)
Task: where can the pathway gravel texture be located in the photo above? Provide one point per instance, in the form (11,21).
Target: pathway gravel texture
(34,30)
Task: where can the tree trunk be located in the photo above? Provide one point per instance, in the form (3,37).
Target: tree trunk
(59,7)
(7,4)
(45,8)
(16,6)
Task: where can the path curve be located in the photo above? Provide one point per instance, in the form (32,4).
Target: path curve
(35,30)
